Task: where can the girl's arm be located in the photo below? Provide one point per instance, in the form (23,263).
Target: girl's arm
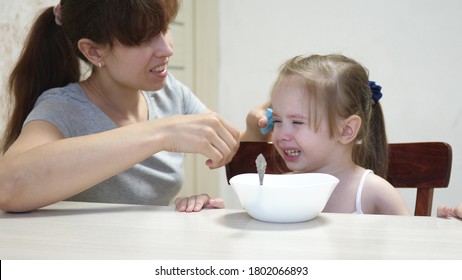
(383,197)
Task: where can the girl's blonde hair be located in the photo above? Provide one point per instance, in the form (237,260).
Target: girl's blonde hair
(339,86)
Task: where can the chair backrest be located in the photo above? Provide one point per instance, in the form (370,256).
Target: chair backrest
(421,165)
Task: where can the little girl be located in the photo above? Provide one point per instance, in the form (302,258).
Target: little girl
(327,119)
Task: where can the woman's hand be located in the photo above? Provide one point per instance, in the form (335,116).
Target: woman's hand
(42,167)
(195,203)
(207,134)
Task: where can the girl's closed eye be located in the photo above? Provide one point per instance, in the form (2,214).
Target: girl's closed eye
(277,123)
(276,119)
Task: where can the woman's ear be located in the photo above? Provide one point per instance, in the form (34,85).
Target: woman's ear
(349,129)
(91,50)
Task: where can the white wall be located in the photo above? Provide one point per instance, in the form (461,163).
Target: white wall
(413,48)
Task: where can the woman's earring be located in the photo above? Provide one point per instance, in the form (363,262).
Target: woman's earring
(100,65)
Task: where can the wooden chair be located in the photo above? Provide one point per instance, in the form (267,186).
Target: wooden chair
(421,165)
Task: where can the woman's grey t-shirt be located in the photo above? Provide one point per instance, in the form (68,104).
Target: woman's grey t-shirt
(154,181)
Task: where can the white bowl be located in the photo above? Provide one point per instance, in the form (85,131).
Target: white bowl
(284,198)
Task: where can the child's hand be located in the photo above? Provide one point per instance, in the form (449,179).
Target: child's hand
(195,203)
(256,120)
(444,211)
(267,127)
(458,211)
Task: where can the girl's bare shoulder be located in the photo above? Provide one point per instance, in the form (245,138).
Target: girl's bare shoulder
(381,197)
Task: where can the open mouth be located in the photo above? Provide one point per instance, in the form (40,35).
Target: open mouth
(292,153)
(159,69)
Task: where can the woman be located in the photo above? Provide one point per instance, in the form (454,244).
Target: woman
(117,136)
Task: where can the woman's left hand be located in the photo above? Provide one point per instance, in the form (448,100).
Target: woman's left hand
(195,203)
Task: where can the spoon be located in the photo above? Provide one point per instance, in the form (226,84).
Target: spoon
(261,167)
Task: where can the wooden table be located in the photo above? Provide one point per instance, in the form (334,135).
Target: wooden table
(75,230)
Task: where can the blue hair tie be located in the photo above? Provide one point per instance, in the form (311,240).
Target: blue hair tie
(269,115)
(376,91)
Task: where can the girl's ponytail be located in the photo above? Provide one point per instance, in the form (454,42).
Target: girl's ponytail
(378,140)
(372,152)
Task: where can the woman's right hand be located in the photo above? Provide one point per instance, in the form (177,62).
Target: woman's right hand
(42,167)
(207,134)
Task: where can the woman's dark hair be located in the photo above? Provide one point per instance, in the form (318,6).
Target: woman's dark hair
(50,57)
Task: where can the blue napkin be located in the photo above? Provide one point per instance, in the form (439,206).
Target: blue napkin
(269,115)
